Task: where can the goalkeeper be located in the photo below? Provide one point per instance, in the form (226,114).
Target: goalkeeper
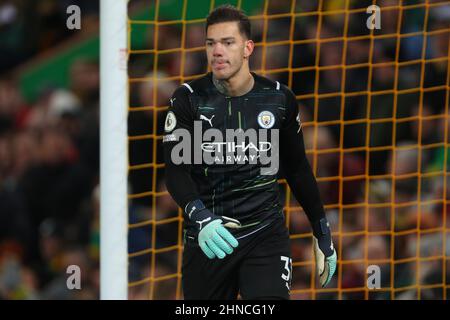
(235,236)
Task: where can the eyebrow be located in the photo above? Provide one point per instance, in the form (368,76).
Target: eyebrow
(222,39)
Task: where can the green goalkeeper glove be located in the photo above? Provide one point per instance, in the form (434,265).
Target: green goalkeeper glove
(324,251)
(213,238)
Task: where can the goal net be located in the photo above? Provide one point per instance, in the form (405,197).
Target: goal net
(372,82)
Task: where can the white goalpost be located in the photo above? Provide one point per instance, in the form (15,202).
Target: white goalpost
(113,150)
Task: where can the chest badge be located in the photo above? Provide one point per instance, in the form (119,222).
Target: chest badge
(266,119)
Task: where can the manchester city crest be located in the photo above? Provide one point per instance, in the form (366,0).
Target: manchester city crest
(266,119)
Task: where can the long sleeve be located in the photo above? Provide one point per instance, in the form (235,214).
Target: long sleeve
(178,178)
(295,165)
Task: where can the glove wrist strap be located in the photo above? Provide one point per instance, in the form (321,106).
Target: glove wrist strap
(196,210)
(321,228)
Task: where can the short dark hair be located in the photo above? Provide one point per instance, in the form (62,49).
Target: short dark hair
(229,13)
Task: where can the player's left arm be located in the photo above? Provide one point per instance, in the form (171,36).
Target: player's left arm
(303,184)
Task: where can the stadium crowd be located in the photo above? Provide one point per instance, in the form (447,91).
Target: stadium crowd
(49,161)
(49,153)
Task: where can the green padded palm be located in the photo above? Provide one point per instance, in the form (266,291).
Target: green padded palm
(215,240)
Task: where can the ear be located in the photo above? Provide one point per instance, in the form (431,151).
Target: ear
(248,50)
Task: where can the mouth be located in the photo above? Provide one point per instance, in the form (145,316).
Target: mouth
(219,65)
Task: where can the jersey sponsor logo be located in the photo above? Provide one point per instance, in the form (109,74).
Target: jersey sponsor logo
(202,117)
(233,147)
(266,119)
(171,122)
(246,149)
(213,147)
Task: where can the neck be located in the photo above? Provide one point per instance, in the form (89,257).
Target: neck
(237,85)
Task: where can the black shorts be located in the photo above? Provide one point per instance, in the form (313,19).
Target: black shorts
(259,268)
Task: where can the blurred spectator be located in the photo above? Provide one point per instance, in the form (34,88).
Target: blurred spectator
(142,123)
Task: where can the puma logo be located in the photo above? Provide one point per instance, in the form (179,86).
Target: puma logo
(202,117)
(201,222)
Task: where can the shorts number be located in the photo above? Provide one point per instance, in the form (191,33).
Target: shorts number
(288,267)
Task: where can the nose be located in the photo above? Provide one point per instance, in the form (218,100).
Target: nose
(217,50)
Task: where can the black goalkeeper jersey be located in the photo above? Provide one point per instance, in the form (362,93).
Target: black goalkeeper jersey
(234,184)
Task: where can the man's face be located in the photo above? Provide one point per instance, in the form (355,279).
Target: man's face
(225,49)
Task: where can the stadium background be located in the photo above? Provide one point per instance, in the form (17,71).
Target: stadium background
(374,105)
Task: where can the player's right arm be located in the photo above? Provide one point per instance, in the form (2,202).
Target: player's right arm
(213,238)
(179,118)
